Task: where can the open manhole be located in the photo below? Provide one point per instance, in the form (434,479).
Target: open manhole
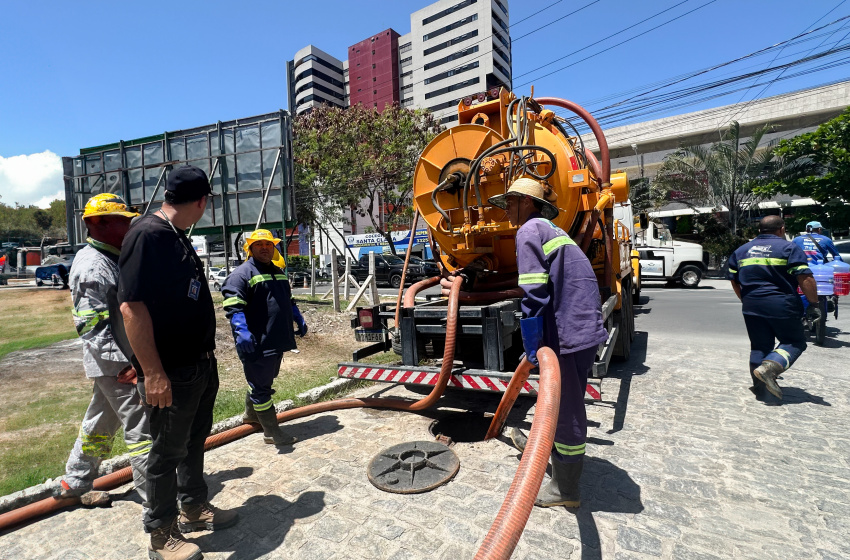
(463,427)
(413,467)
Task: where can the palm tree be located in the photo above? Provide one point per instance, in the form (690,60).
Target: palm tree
(722,174)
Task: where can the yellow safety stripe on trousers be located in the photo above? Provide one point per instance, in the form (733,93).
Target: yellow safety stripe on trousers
(233,301)
(141,448)
(569,449)
(762,261)
(556,242)
(800,268)
(785,355)
(533,278)
(91,316)
(733,271)
(263,406)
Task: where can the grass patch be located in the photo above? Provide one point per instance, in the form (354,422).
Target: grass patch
(34,318)
(23,466)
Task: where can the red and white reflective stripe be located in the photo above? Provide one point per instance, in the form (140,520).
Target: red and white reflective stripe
(462,381)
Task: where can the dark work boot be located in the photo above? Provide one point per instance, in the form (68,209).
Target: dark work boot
(768,371)
(562,489)
(250,417)
(205,517)
(271,429)
(168,544)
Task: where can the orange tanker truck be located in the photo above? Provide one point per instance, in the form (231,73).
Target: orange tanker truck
(499,138)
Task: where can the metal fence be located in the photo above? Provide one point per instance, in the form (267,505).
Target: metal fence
(248,161)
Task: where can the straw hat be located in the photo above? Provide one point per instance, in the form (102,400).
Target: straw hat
(525,186)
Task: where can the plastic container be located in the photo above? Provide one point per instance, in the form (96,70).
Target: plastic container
(841,283)
(839,266)
(824,277)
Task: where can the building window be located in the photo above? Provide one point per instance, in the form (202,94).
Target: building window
(446,105)
(501,39)
(374,79)
(405,48)
(405,89)
(447,11)
(454,41)
(454,87)
(313,72)
(501,69)
(501,7)
(375,92)
(450,73)
(498,20)
(450,27)
(373,52)
(450,118)
(501,53)
(455,56)
(407,102)
(406,61)
(406,74)
(373,67)
(319,87)
(325,63)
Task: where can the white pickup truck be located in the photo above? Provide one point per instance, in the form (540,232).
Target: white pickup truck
(662,258)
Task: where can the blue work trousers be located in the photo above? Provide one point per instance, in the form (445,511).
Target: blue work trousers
(764,332)
(260,374)
(176,458)
(571,432)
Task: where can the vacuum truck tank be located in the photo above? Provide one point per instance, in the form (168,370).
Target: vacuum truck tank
(499,138)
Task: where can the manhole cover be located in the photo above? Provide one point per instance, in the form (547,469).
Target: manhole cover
(413,467)
(463,427)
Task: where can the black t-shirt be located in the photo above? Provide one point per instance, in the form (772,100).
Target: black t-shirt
(159,268)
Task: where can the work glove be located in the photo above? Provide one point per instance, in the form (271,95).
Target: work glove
(532,335)
(245,341)
(813,313)
(299,320)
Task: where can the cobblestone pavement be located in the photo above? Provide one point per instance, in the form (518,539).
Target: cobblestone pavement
(682,463)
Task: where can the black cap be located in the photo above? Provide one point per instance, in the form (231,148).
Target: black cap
(188,183)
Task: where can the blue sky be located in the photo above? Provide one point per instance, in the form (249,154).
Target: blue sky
(77,74)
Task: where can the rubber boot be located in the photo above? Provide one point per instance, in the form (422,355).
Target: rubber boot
(768,371)
(562,489)
(205,517)
(271,429)
(168,544)
(250,416)
(519,439)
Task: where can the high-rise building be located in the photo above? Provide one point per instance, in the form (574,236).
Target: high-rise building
(455,48)
(315,78)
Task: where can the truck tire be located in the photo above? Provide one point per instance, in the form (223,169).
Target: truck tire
(690,276)
(626,322)
(395,280)
(636,295)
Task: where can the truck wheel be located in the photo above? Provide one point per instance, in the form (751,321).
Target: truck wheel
(691,276)
(636,295)
(397,341)
(38,282)
(395,280)
(625,319)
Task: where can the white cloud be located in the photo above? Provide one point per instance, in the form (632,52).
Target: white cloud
(31,179)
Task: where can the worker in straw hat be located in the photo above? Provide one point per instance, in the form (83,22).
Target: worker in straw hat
(561,310)
(258,302)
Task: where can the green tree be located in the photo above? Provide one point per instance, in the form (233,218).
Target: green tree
(359,159)
(722,174)
(818,165)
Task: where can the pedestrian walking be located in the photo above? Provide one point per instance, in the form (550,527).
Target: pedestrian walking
(115,403)
(561,309)
(170,322)
(765,274)
(258,302)
(816,245)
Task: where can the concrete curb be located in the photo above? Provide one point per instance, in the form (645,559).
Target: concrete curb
(46,489)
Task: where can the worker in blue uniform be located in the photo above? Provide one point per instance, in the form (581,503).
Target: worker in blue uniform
(816,245)
(765,274)
(561,309)
(258,302)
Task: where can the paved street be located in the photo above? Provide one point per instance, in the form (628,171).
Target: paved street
(683,463)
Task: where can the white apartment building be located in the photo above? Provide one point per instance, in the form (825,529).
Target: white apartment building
(454,49)
(316,78)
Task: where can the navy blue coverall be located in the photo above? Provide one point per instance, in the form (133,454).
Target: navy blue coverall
(766,269)
(262,292)
(560,286)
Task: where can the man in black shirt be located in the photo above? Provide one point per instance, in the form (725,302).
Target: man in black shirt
(170,322)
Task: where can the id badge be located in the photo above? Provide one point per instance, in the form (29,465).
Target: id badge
(194,289)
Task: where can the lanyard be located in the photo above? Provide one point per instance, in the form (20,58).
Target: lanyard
(190,251)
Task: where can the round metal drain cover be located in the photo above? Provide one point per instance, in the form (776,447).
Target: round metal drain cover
(413,467)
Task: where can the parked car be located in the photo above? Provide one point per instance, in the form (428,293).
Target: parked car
(299,278)
(213,271)
(54,271)
(217,279)
(429,267)
(388,270)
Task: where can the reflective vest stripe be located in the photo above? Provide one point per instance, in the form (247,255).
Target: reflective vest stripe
(762,261)
(233,301)
(556,242)
(533,278)
(569,449)
(800,268)
(733,271)
(141,448)
(266,278)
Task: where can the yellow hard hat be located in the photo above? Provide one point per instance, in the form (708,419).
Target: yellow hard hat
(107,204)
(264,235)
